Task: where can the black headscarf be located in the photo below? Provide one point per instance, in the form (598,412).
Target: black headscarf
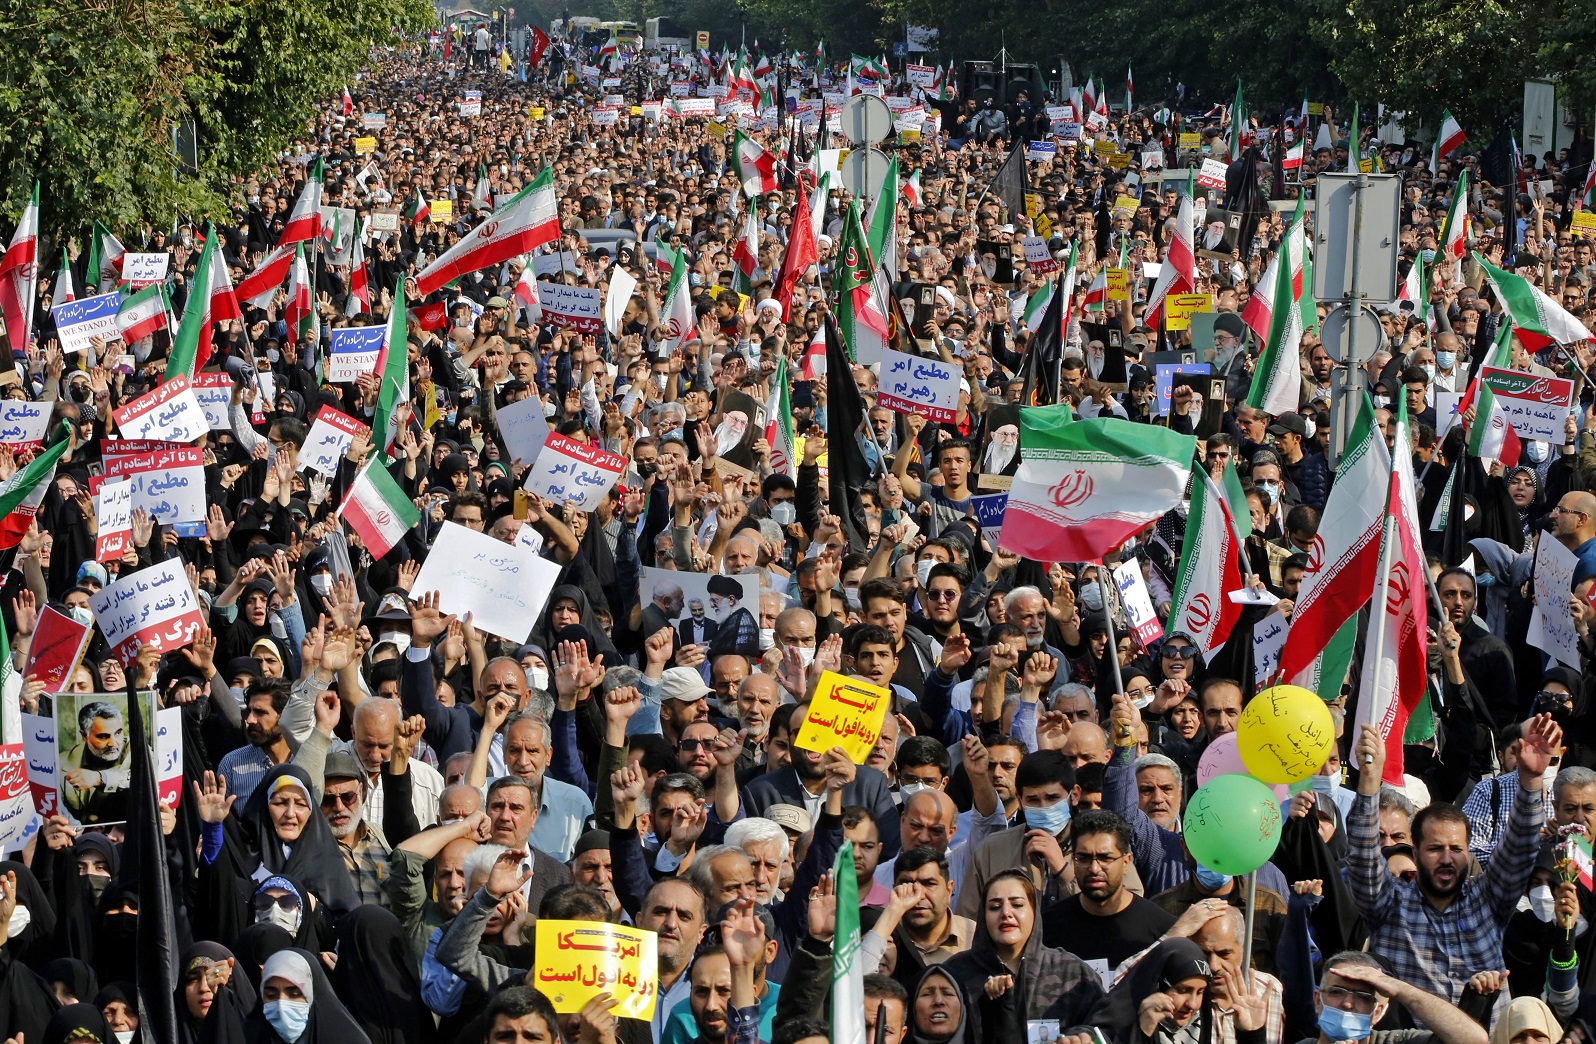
(239,990)
(75,1021)
(254,945)
(1166,963)
(35,943)
(125,992)
(376,980)
(78,977)
(917,1037)
(313,860)
(597,642)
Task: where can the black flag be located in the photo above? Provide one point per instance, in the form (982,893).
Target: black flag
(144,872)
(847,472)
(1009,184)
(1039,372)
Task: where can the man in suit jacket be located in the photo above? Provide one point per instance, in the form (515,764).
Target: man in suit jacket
(803,784)
(696,629)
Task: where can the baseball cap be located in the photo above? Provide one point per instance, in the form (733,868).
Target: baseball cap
(1291,422)
(790,817)
(682,683)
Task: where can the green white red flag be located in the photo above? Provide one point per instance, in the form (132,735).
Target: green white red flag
(1085,487)
(756,167)
(1454,233)
(1491,437)
(1277,380)
(677,317)
(304,221)
(23,492)
(142,313)
(779,431)
(527,221)
(861,316)
(1208,570)
(299,315)
(377,507)
(19,278)
(1538,320)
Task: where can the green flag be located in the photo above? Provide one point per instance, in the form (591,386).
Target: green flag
(847,973)
(394,370)
(194,329)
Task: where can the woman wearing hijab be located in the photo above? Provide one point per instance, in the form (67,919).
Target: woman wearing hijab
(1527,1020)
(1164,1000)
(210,975)
(254,947)
(272,655)
(1524,490)
(72,980)
(26,1000)
(375,976)
(77,1024)
(285,834)
(297,1006)
(936,1010)
(1008,978)
(119,1003)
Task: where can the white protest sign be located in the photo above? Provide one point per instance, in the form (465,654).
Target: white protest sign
(919,384)
(502,586)
(472,105)
(78,323)
(328,440)
(1138,603)
(576,307)
(1038,258)
(168,481)
(141,270)
(621,286)
(1212,174)
(170,413)
(1268,638)
(605,115)
(529,538)
(1551,627)
(16,803)
(24,424)
(354,351)
(38,745)
(153,606)
(214,393)
(923,76)
(169,755)
(572,471)
(1535,407)
(113,513)
(524,429)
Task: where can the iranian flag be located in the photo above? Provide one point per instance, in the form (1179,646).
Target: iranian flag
(1277,381)
(142,313)
(348,102)
(1450,136)
(1577,851)
(1208,572)
(861,318)
(778,426)
(1587,197)
(526,292)
(1538,320)
(19,278)
(881,227)
(61,291)
(746,254)
(677,318)
(1413,286)
(417,212)
(393,366)
(1259,311)
(105,259)
(1085,487)
(23,492)
(817,211)
(529,220)
(1036,304)
(802,252)
(1094,300)
(482,192)
(359,284)
(191,345)
(847,970)
(377,508)
(1454,233)
(299,315)
(665,256)
(304,221)
(1344,556)
(814,360)
(1292,160)
(1490,436)
(1179,272)
(756,168)
(261,285)
(1394,676)
(911,191)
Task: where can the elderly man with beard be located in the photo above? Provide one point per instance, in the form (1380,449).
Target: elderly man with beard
(364,848)
(424,916)
(757,702)
(591,867)
(1436,931)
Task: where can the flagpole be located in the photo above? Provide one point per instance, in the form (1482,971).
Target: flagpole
(1112,652)
(1247,924)
(1378,606)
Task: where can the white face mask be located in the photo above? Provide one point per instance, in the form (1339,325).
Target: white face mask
(1537,452)
(322,583)
(767,638)
(922,571)
(20,919)
(806,655)
(783,513)
(538,678)
(399,638)
(1543,903)
(1382,401)
(287,920)
(123,1036)
(850,598)
(908,790)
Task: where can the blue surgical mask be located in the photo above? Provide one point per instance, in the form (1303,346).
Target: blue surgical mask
(1270,490)
(288,1017)
(1337,1024)
(1446,360)
(1051,818)
(1429,371)
(1211,880)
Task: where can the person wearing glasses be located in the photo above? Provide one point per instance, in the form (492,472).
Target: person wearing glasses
(362,844)
(1574,525)
(1354,992)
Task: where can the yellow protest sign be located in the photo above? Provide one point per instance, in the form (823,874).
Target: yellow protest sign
(1117,290)
(1316,108)
(716,130)
(844,713)
(1366,165)
(578,960)
(1190,140)
(637,110)
(365,146)
(442,209)
(1585,223)
(1181,307)
(701,39)
(1125,206)
(1119,160)
(909,137)
(535,112)
(1039,221)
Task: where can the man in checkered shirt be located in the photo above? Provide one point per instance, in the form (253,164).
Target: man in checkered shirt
(1443,927)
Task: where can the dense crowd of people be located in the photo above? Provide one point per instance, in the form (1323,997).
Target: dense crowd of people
(381,800)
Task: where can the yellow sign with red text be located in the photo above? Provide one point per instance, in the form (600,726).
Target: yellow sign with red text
(845,713)
(578,960)
(1181,307)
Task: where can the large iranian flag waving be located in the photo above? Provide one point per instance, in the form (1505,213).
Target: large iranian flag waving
(530,219)
(1208,572)
(756,167)
(1179,272)
(1537,319)
(377,508)
(1277,381)
(676,317)
(1490,436)
(21,494)
(1454,233)
(19,278)
(779,426)
(861,317)
(304,221)
(1394,675)
(1344,556)
(261,285)
(1085,487)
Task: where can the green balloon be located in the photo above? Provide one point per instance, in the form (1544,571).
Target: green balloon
(1232,824)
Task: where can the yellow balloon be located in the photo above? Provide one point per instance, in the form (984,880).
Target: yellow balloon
(1285,734)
